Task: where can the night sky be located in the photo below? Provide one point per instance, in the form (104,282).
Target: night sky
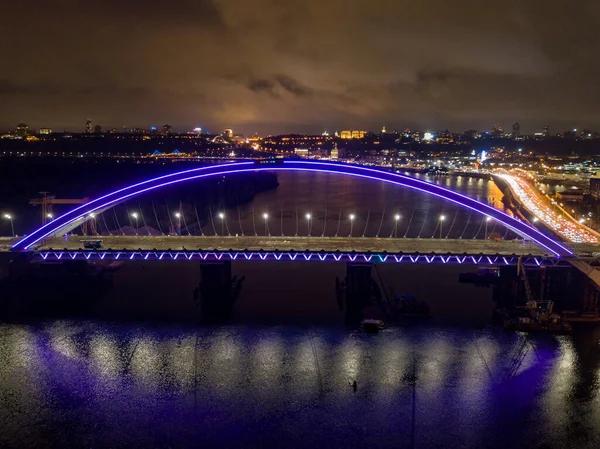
(274,66)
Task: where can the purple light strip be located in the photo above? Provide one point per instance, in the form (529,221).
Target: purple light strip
(507,221)
(428,185)
(291,255)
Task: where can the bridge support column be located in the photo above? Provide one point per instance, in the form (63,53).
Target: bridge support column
(217,292)
(358,291)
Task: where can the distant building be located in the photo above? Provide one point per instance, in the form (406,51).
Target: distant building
(595,186)
(45,131)
(353,134)
(497,131)
(22,130)
(228,133)
(88,126)
(167,129)
(97,129)
(516,130)
(546,131)
(383,130)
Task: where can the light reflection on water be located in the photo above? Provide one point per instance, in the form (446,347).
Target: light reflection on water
(228,385)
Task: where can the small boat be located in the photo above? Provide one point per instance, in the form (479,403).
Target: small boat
(371,326)
(536,317)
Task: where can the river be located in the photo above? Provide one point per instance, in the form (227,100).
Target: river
(137,371)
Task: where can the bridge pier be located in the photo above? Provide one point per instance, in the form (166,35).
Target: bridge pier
(217,292)
(356,291)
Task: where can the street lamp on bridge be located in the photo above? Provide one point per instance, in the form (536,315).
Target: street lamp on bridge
(135,217)
(222,218)
(396,220)
(49,216)
(487,220)
(442,218)
(352,217)
(308,218)
(9,217)
(178,216)
(266,218)
(92,216)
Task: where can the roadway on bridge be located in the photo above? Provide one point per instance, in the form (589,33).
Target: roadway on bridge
(330,244)
(359,244)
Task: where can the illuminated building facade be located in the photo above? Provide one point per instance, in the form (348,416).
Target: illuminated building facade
(88,126)
(45,131)
(353,134)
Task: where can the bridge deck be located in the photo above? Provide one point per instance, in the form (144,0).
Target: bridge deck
(343,244)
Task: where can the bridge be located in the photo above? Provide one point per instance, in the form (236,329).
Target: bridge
(81,214)
(333,249)
(54,241)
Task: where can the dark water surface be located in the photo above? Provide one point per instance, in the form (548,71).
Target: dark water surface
(96,384)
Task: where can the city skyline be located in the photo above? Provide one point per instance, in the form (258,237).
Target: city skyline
(304,68)
(91,127)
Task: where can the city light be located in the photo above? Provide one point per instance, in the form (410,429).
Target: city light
(221,215)
(177,215)
(9,217)
(352,217)
(134,215)
(265,216)
(442,217)
(397,217)
(308,216)
(50,216)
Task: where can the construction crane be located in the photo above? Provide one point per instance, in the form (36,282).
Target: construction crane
(47,201)
(523,273)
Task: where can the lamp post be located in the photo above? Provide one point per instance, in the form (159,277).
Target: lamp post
(266,218)
(93,217)
(308,218)
(135,217)
(49,216)
(12,226)
(442,218)
(352,217)
(222,217)
(487,220)
(178,216)
(396,220)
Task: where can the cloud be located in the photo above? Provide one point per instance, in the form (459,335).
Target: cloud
(277,66)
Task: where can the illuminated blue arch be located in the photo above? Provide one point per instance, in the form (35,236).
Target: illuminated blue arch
(79,215)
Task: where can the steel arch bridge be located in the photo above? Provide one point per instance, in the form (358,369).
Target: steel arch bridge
(79,215)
